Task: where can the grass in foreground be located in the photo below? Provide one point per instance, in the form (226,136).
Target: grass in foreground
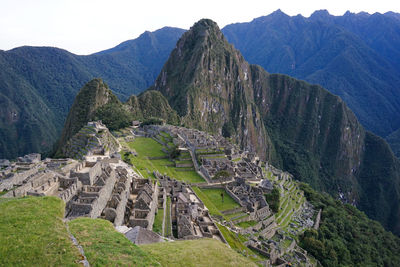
(32,233)
(104,246)
(201,252)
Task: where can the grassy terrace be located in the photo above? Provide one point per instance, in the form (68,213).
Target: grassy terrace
(212,200)
(203,252)
(147,147)
(236,241)
(32,233)
(158,220)
(104,246)
(247,224)
(214,195)
(207,202)
(168,223)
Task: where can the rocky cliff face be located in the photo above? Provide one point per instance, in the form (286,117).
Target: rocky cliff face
(207,81)
(300,127)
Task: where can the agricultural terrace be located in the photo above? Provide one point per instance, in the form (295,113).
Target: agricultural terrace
(150,157)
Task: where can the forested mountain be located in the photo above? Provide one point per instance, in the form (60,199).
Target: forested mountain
(38,85)
(355,56)
(299,127)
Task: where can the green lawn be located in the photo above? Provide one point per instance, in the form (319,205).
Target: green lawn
(202,252)
(168,222)
(246,224)
(32,233)
(237,215)
(104,246)
(214,195)
(207,202)
(158,220)
(147,147)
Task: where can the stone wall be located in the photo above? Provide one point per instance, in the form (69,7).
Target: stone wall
(87,172)
(317,220)
(234,197)
(18,178)
(67,194)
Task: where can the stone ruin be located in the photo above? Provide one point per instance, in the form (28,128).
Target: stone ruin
(143,203)
(94,139)
(190,218)
(250,197)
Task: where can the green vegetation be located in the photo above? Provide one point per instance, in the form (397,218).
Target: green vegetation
(207,202)
(346,236)
(168,223)
(147,148)
(202,252)
(225,203)
(246,224)
(236,241)
(348,33)
(158,221)
(104,246)
(273,199)
(114,116)
(49,78)
(32,233)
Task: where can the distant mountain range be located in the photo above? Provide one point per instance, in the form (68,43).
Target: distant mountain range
(38,85)
(355,56)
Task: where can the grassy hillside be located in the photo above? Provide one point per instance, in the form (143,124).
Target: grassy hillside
(202,252)
(104,246)
(32,233)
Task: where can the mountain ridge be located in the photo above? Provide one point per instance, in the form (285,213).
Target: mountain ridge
(39,85)
(302,128)
(324,49)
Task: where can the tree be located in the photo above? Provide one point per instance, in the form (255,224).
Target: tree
(227,129)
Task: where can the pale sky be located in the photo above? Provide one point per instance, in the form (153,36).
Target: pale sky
(88,26)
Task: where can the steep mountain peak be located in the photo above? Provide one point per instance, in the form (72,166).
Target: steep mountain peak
(92,95)
(201,31)
(279,13)
(320,14)
(206,81)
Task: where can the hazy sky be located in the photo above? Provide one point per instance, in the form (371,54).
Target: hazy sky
(88,26)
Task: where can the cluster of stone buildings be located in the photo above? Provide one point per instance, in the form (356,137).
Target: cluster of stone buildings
(190,218)
(142,204)
(248,196)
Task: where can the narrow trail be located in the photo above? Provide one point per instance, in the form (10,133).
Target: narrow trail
(84,261)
